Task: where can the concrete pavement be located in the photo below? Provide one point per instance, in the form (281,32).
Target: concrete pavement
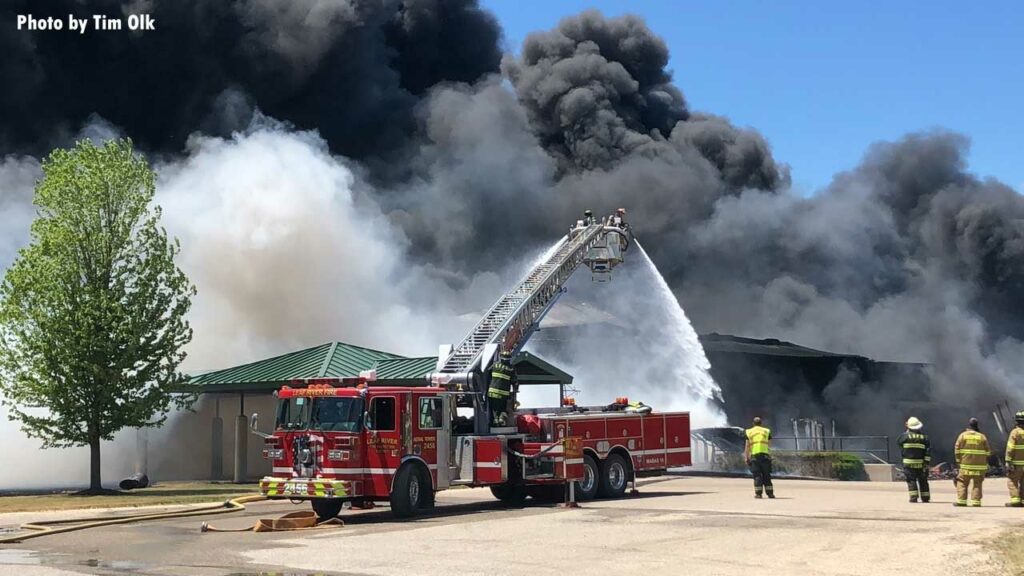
(711,526)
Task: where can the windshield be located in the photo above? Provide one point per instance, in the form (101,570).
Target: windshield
(330,414)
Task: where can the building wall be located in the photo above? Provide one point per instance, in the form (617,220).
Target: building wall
(183,448)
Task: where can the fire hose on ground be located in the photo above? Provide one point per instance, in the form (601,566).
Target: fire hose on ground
(293,521)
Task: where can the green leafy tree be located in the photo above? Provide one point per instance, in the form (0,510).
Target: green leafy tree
(92,313)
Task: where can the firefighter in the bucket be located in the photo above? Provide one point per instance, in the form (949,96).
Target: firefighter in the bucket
(619,219)
(1015,461)
(971,452)
(917,459)
(757,456)
(500,390)
(588,218)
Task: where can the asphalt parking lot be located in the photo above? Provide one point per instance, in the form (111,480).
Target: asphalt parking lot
(676,525)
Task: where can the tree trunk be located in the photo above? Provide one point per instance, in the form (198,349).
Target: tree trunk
(94,464)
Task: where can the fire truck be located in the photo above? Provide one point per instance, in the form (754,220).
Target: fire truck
(351,440)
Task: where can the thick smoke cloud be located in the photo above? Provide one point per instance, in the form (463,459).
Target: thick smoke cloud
(907,257)
(597,92)
(353,70)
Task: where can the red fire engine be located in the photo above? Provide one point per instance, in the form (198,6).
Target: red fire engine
(339,440)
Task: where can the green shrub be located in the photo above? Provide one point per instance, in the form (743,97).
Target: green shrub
(848,466)
(837,465)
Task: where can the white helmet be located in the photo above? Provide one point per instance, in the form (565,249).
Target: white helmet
(914,424)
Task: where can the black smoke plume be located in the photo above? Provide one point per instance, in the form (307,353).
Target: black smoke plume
(353,70)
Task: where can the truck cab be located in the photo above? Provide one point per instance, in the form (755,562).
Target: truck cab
(333,444)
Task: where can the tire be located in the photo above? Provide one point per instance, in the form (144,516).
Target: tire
(409,491)
(614,476)
(326,508)
(510,494)
(586,489)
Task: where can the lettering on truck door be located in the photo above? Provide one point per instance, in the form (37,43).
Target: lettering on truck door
(383,443)
(429,439)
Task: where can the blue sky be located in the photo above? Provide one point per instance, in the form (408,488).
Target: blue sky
(823,80)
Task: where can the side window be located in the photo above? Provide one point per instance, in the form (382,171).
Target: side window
(382,413)
(430,413)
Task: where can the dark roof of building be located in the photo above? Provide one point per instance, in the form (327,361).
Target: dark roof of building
(722,343)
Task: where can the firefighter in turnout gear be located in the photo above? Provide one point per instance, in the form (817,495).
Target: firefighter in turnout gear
(500,390)
(971,451)
(757,456)
(917,458)
(1015,461)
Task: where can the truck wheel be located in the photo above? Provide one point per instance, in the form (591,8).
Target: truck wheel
(614,476)
(586,489)
(510,494)
(326,508)
(408,492)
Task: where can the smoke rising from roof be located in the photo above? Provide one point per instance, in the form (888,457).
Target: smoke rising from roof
(368,170)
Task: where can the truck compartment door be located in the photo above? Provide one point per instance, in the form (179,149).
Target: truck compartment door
(491,466)
(677,427)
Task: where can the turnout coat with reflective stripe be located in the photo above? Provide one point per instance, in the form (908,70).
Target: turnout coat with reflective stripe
(502,378)
(972,450)
(1015,447)
(916,449)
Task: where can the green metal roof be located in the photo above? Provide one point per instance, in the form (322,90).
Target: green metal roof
(334,359)
(340,360)
(405,368)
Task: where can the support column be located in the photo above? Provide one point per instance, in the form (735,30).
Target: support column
(142,451)
(217,443)
(241,444)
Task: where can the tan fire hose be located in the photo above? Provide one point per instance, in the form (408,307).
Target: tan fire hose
(38,529)
(302,520)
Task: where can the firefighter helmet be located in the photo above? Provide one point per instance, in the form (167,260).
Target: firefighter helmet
(588,213)
(914,424)
(1019,417)
(506,354)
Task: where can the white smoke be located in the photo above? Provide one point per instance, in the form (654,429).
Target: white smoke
(287,254)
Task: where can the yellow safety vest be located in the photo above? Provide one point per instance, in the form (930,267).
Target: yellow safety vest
(758,437)
(971,453)
(1015,447)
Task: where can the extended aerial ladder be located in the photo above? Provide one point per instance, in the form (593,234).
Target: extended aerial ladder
(516,315)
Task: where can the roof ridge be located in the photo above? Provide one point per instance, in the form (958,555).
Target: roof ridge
(254,362)
(347,345)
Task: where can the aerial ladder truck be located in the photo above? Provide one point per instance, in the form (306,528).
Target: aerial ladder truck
(354,439)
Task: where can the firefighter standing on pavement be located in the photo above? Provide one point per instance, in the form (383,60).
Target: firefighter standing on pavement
(916,459)
(757,456)
(499,392)
(971,451)
(1015,461)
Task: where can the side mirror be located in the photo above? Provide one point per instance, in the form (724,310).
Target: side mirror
(366,420)
(254,421)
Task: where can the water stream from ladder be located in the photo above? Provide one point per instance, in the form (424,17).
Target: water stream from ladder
(692,370)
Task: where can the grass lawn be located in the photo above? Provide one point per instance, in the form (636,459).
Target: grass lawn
(161,494)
